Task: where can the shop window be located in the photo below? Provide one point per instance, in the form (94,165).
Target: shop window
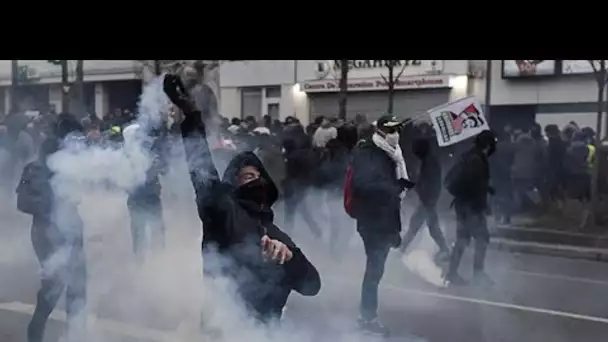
(273,91)
(251,102)
(273,110)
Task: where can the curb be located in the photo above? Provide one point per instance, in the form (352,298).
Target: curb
(566,251)
(549,236)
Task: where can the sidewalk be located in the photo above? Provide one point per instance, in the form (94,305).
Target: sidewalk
(560,250)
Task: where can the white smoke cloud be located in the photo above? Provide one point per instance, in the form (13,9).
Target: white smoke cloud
(167,291)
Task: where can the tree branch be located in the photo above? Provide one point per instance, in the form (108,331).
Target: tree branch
(384,78)
(400,73)
(592,65)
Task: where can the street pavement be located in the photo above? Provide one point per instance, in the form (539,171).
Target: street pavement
(535,298)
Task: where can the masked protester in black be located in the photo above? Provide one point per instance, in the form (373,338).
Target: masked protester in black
(471,205)
(57,228)
(378,183)
(240,240)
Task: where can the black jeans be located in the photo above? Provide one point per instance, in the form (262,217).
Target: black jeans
(426,212)
(376,250)
(63,267)
(296,193)
(470,223)
(146,212)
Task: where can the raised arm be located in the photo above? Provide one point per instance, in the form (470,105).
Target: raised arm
(203,173)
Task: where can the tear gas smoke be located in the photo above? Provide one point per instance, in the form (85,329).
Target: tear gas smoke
(167,292)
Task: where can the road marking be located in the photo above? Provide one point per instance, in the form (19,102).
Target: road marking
(482,302)
(94,321)
(560,277)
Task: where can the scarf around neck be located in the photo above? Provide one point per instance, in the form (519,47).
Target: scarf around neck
(395,154)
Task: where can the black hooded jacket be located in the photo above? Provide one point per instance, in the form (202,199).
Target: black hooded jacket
(233,228)
(428,182)
(299,156)
(475,178)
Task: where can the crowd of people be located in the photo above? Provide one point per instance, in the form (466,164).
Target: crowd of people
(364,170)
(532,172)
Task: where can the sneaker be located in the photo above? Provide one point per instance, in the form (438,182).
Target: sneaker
(455,280)
(373,327)
(482,279)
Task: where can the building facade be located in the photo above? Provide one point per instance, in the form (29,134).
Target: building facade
(308,88)
(545,91)
(108,84)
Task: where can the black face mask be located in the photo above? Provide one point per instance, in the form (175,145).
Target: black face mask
(254,191)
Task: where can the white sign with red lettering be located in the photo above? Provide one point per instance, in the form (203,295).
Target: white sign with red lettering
(367,84)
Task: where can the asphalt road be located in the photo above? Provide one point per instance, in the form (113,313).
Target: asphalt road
(535,298)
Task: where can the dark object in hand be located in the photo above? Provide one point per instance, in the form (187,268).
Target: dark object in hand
(491,191)
(177,93)
(406,184)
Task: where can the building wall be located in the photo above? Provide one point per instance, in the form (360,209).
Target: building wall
(541,90)
(557,98)
(42,71)
(256,73)
(292,77)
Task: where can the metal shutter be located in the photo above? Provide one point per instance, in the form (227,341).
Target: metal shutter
(373,104)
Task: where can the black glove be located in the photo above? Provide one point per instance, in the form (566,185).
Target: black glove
(406,184)
(177,93)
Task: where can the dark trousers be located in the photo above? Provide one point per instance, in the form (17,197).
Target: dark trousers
(146,212)
(376,250)
(296,193)
(426,212)
(470,223)
(63,267)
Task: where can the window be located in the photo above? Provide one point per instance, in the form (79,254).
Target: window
(273,110)
(251,102)
(273,91)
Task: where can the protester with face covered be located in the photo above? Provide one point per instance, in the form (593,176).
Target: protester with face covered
(57,237)
(379,181)
(469,182)
(238,221)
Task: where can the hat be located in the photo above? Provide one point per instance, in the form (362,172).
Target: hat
(388,121)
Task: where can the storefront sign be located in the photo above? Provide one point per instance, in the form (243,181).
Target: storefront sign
(416,82)
(527,67)
(367,68)
(570,67)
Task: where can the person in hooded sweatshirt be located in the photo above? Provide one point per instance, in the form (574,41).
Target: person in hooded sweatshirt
(57,234)
(238,222)
(469,182)
(379,180)
(428,188)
